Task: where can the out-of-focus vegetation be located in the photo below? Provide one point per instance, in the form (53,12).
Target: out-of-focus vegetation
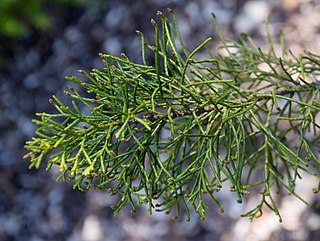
(18,17)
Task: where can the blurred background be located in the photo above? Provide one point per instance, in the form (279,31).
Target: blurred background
(41,42)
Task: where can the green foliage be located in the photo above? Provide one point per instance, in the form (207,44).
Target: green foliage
(17,17)
(174,133)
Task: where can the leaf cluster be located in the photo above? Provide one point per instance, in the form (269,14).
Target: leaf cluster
(171,134)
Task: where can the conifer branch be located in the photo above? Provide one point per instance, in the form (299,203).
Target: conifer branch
(171,134)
